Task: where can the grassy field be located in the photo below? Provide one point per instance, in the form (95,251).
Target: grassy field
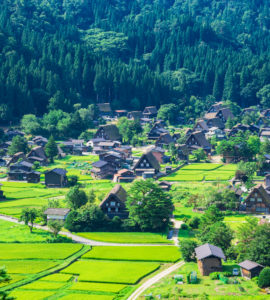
(144,253)
(27,295)
(126,237)
(77,296)
(37,251)
(57,277)
(204,171)
(11,233)
(111,271)
(97,287)
(43,285)
(214,289)
(27,266)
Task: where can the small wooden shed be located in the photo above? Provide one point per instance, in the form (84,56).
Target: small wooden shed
(250,269)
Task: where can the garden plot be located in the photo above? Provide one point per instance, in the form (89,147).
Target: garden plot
(144,253)
(199,172)
(111,271)
(126,237)
(37,251)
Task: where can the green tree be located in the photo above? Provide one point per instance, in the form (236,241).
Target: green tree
(149,206)
(187,249)
(199,154)
(264,95)
(55,227)
(76,197)
(168,112)
(28,216)
(30,124)
(264,278)
(211,216)
(19,144)
(4,277)
(51,149)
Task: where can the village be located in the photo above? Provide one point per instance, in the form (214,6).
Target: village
(141,181)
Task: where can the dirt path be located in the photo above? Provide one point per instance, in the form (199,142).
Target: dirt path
(154,280)
(81,240)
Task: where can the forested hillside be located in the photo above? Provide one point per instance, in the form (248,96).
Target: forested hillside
(133,53)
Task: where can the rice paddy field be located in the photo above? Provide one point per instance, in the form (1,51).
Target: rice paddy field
(203,172)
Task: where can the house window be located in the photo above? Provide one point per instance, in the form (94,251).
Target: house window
(142,165)
(113,204)
(256,195)
(109,209)
(147,165)
(116,210)
(252,199)
(107,204)
(259,200)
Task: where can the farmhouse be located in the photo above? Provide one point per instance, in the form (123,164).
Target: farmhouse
(38,154)
(22,171)
(214,122)
(165,139)
(258,200)
(104,109)
(108,132)
(16,157)
(156,131)
(114,204)
(124,175)
(150,112)
(224,114)
(216,107)
(40,140)
(121,113)
(56,178)
(146,163)
(134,115)
(10,133)
(209,259)
(102,170)
(112,157)
(250,269)
(201,126)
(56,214)
(198,140)
(183,152)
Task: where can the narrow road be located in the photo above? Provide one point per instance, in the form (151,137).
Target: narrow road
(176,226)
(154,280)
(79,239)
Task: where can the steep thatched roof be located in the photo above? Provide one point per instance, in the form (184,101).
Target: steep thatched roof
(111,131)
(119,192)
(104,107)
(151,159)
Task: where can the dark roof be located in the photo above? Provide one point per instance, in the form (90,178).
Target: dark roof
(151,158)
(151,109)
(165,138)
(58,171)
(200,137)
(57,211)
(39,152)
(184,149)
(111,131)
(216,122)
(136,115)
(226,112)
(249,265)
(104,107)
(260,188)
(23,163)
(99,164)
(117,191)
(202,124)
(207,250)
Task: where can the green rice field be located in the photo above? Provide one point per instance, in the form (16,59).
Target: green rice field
(97,287)
(127,237)
(142,253)
(204,171)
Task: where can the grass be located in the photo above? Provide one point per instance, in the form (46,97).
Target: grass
(11,233)
(111,271)
(14,278)
(76,296)
(37,251)
(97,287)
(27,295)
(144,253)
(212,288)
(204,171)
(27,266)
(126,237)
(42,285)
(57,277)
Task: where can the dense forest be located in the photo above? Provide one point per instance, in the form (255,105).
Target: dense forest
(55,54)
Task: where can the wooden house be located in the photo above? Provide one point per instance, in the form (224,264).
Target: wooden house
(250,269)
(225,114)
(38,154)
(182,152)
(216,107)
(121,113)
(198,140)
(214,122)
(40,141)
(209,259)
(146,163)
(22,171)
(103,170)
(57,214)
(108,132)
(16,157)
(56,178)
(104,109)
(156,131)
(114,204)
(165,139)
(134,115)
(159,154)
(150,112)
(124,175)
(201,126)
(11,133)
(258,200)
(112,157)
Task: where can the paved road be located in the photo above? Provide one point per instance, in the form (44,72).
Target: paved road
(154,280)
(79,239)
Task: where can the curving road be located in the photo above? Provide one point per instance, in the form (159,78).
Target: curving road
(154,280)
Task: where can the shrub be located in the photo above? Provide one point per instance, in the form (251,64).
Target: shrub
(227,274)
(214,275)
(184,226)
(264,278)
(187,249)
(194,222)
